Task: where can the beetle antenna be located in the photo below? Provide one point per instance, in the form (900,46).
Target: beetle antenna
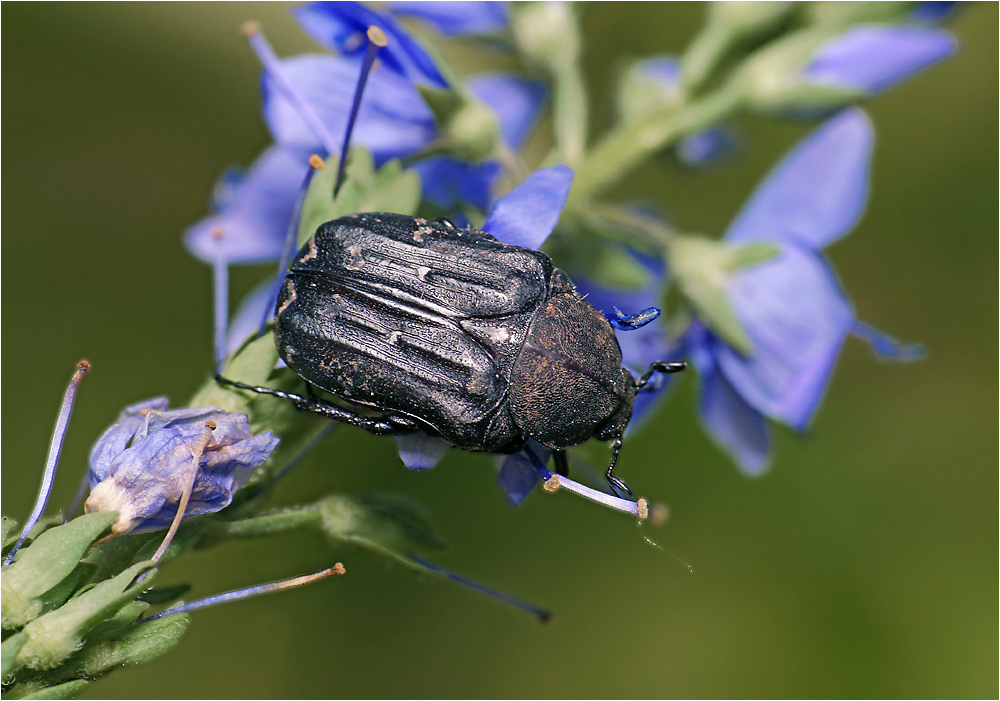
(248,592)
(48,476)
(666,367)
(291,237)
(272,65)
(376,40)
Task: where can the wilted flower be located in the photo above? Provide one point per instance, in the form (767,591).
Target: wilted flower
(791,307)
(140,466)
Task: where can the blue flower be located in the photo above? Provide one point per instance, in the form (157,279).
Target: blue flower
(460,18)
(251,211)
(342,27)
(524,217)
(140,465)
(393,120)
(791,307)
(873,58)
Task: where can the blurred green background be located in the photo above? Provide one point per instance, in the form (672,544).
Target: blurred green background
(864,564)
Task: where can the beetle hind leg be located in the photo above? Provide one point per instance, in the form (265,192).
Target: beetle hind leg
(379,426)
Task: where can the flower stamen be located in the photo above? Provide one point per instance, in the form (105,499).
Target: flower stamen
(186,494)
(291,238)
(542,614)
(251,31)
(220,279)
(49,474)
(376,40)
(249,592)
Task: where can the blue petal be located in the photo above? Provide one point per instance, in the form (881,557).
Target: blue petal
(737,427)
(527,214)
(456,18)
(255,212)
(418,451)
(885,346)
(873,58)
(516,102)
(342,26)
(448,183)
(817,193)
(797,318)
(518,476)
(393,120)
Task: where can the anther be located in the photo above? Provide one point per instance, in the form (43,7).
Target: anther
(643,508)
(316,162)
(377,36)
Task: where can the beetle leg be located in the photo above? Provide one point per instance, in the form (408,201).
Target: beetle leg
(659,366)
(560,463)
(617,485)
(378,426)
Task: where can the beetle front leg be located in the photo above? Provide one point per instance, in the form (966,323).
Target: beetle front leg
(617,486)
(378,426)
(659,366)
(560,463)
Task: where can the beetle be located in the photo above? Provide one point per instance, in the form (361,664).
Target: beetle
(419,325)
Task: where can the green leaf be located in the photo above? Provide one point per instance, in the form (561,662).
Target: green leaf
(702,269)
(10,531)
(66,690)
(8,652)
(389,524)
(45,563)
(142,643)
(161,595)
(57,634)
(365,189)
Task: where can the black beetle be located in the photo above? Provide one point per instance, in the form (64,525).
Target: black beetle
(454,333)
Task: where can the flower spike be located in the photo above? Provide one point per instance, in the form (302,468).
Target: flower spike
(267,57)
(376,40)
(48,476)
(249,592)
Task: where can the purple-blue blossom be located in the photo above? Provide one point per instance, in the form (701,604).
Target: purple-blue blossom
(792,307)
(250,211)
(342,27)
(139,467)
(873,58)
(459,18)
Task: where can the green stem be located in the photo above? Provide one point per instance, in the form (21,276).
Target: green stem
(631,144)
(569,111)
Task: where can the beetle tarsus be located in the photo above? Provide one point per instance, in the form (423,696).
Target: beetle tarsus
(663,366)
